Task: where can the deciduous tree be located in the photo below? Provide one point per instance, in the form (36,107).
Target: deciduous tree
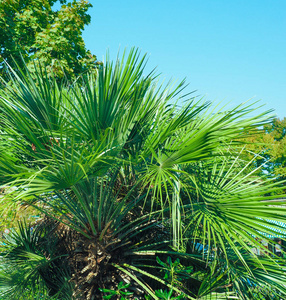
(270,145)
(35,31)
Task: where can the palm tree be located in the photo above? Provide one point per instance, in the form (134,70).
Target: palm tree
(139,197)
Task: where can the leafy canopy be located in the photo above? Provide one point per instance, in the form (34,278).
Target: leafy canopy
(36,31)
(269,144)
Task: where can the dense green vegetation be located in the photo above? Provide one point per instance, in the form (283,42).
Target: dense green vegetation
(139,197)
(33,31)
(269,144)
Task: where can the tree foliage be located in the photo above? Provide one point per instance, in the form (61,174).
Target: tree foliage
(34,31)
(139,196)
(270,145)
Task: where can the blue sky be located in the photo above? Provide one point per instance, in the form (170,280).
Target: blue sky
(229,51)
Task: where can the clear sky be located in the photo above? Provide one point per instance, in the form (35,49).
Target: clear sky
(229,50)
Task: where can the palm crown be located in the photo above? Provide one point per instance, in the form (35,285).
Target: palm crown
(132,189)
